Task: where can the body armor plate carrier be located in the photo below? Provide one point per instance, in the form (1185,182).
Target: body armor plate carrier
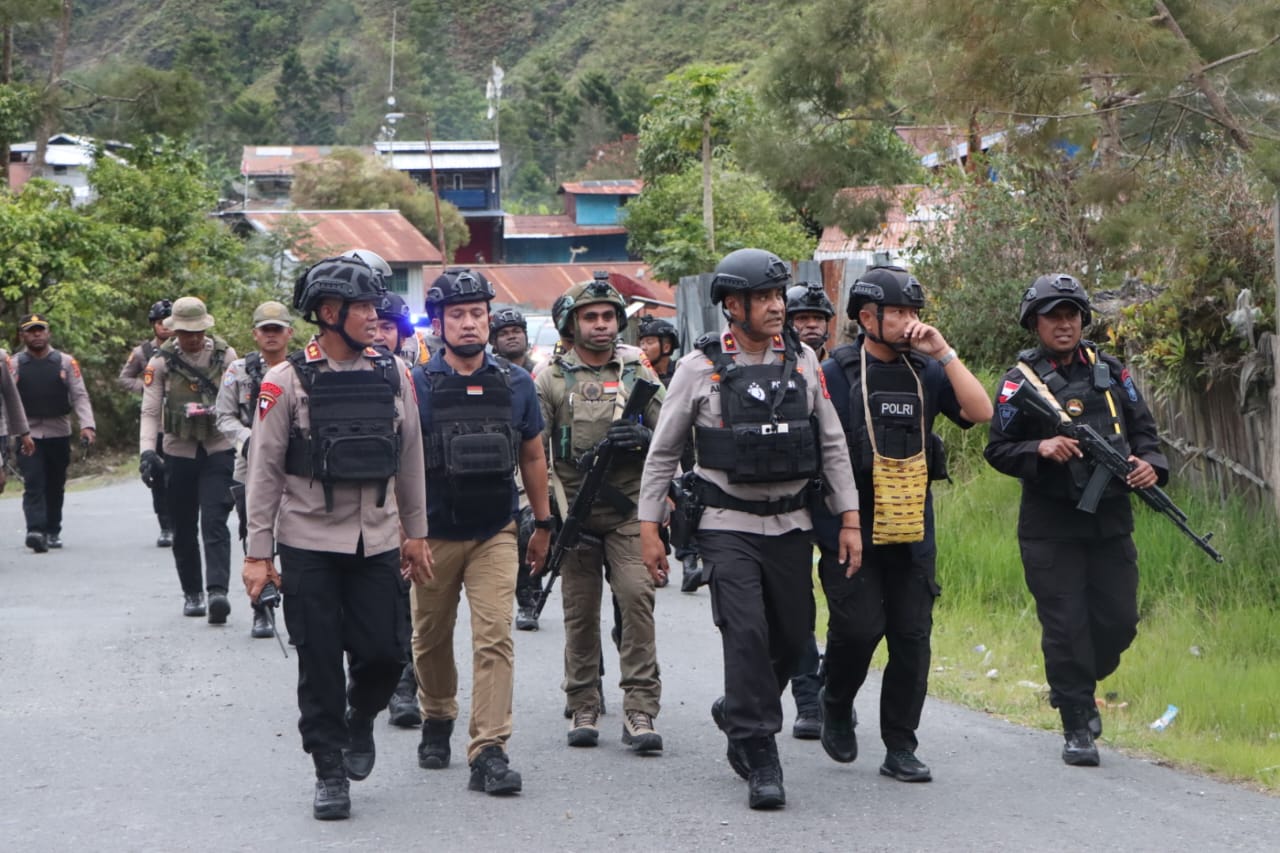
(353,437)
(43,385)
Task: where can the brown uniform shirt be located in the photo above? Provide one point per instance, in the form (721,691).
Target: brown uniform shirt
(60,426)
(130,378)
(693,398)
(155,380)
(13,418)
(290,509)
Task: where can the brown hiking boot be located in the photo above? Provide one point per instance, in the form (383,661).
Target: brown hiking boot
(638,732)
(583,728)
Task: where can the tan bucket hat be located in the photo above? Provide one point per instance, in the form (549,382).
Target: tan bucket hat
(189,315)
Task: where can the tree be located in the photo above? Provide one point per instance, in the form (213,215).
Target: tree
(665,227)
(348,180)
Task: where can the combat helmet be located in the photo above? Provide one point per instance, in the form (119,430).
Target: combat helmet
(1048,292)
(588,293)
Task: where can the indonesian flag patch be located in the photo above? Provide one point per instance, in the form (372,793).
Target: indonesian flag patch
(475,390)
(1007,390)
(268,397)
(610,387)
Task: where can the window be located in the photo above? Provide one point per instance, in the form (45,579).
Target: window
(400,281)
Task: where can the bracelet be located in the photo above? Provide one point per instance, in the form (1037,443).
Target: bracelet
(948,358)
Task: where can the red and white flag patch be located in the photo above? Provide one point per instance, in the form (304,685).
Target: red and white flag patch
(475,390)
(1007,390)
(267,398)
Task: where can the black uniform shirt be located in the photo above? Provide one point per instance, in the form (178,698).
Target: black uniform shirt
(1012,448)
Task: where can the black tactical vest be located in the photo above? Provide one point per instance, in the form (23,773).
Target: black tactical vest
(353,436)
(1088,398)
(43,386)
(471,445)
(768,433)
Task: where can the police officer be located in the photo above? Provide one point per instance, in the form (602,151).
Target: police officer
(334,510)
(509,338)
(480,418)
(237,404)
(658,340)
(51,387)
(888,386)
(763,431)
(396,333)
(130,379)
(178,405)
(13,418)
(582,393)
(809,313)
(1081,568)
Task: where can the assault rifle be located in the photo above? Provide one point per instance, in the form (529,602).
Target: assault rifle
(602,458)
(1107,461)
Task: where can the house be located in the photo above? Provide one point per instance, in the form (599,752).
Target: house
(591,226)
(267,172)
(412,257)
(468,176)
(913,210)
(939,145)
(536,286)
(68,159)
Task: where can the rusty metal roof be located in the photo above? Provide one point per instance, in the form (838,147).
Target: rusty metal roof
(555,225)
(538,285)
(913,208)
(386,232)
(627,186)
(263,160)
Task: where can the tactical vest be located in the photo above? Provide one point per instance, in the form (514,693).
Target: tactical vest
(1089,400)
(472,445)
(893,397)
(191,393)
(148,350)
(592,405)
(353,436)
(43,386)
(254,368)
(768,433)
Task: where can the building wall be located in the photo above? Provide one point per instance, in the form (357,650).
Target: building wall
(603,248)
(596,209)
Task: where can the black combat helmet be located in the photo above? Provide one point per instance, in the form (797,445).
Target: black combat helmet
(159,310)
(809,296)
(656,327)
(1048,292)
(350,279)
(885,285)
(394,308)
(505,318)
(456,287)
(749,269)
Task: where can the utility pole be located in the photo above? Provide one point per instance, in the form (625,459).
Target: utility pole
(435,194)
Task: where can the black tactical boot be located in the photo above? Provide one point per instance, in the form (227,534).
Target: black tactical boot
(261,624)
(903,765)
(193,604)
(333,792)
(838,724)
(491,772)
(1095,721)
(403,710)
(764,784)
(37,542)
(526,602)
(433,751)
(735,753)
(219,606)
(165,539)
(54,540)
(359,756)
(1079,749)
(692,575)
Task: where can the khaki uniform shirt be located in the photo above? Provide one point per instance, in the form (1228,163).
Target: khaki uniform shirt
(290,509)
(155,381)
(581,411)
(130,378)
(13,418)
(234,411)
(693,399)
(60,426)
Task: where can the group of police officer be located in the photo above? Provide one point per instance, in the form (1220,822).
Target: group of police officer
(386,469)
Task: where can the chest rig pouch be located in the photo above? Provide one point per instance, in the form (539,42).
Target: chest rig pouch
(472,444)
(768,434)
(191,393)
(1087,398)
(353,437)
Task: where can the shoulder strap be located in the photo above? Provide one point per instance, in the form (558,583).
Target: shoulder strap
(306,373)
(148,350)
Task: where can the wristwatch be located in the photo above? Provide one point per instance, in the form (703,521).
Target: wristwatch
(543,524)
(948,358)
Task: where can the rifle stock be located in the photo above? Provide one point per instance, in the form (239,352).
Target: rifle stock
(602,461)
(1108,462)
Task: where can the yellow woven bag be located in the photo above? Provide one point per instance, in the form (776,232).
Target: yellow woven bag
(899,485)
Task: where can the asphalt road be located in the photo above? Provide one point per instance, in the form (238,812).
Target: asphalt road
(126,726)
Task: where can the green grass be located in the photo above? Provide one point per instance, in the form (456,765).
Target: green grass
(1207,641)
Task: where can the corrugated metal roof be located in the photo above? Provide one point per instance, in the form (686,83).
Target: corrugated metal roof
(386,232)
(538,285)
(263,160)
(438,145)
(629,186)
(521,226)
(928,208)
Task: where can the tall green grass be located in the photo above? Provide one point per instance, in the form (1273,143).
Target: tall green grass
(1209,640)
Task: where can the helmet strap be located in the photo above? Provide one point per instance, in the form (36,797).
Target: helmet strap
(341,328)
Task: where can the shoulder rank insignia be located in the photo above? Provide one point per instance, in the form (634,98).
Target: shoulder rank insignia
(313,352)
(778,345)
(727,343)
